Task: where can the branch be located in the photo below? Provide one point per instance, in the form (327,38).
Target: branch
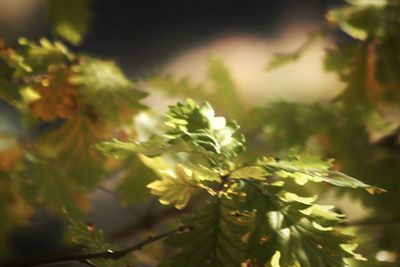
(109,254)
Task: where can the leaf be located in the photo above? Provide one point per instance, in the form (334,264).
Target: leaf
(71,147)
(118,149)
(275,259)
(105,87)
(192,129)
(37,58)
(255,172)
(70,18)
(250,228)
(323,211)
(215,238)
(306,168)
(199,126)
(279,226)
(292,197)
(343,180)
(92,240)
(47,184)
(175,187)
(359,21)
(56,97)
(137,176)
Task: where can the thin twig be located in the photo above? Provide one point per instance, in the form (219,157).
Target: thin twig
(109,254)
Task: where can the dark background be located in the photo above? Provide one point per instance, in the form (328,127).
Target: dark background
(141,35)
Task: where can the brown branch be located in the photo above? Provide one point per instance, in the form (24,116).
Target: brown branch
(114,255)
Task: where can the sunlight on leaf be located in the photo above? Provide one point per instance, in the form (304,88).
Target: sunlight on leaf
(175,187)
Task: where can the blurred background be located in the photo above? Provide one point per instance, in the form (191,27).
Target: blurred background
(178,37)
(148,37)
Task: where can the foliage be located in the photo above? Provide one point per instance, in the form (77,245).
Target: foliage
(54,88)
(251,216)
(366,110)
(249,208)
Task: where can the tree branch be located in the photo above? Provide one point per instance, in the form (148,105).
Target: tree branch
(84,257)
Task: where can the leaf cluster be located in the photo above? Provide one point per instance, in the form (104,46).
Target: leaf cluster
(251,216)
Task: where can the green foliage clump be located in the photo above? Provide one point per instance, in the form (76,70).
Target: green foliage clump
(251,215)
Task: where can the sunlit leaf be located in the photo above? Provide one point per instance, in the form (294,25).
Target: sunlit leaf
(306,168)
(254,172)
(175,187)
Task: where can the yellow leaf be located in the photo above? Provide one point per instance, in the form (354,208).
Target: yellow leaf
(275,259)
(289,197)
(350,249)
(174,187)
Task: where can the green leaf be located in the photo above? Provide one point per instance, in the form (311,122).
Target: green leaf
(192,129)
(105,87)
(70,146)
(36,58)
(343,180)
(45,183)
(323,211)
(136,176)
(118,149)
(92,240)
(359,21)
(250,228)
(279,225)
(69,18)
(215,239)
(307,168)
(199,126)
